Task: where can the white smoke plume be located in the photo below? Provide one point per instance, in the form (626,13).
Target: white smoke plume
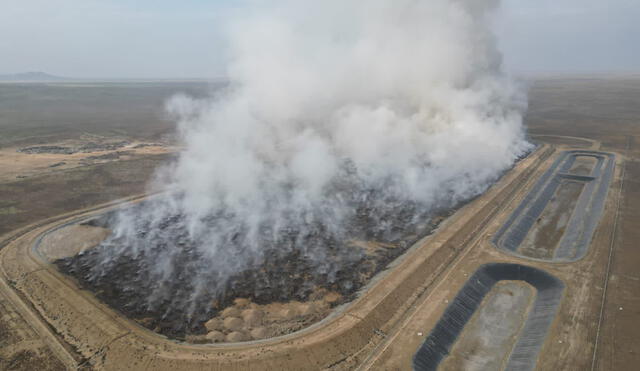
(333,106)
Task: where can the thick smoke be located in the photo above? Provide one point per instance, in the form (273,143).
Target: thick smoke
(337,112)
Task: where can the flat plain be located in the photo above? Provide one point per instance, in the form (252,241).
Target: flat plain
(575,112)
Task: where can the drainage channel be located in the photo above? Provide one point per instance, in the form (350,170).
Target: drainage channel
(531,335)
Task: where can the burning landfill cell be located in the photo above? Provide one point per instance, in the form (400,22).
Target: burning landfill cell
(331,151)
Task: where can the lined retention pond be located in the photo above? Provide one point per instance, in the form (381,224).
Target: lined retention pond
(498,320)
(558,217)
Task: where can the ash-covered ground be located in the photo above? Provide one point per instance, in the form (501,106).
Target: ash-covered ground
(289,269)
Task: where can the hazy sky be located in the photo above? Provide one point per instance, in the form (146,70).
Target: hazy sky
(182,39)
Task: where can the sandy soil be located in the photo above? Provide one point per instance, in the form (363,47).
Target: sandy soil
(21,347)
(583,165)
(564,140)
(493,329)
(543,238)
(619,329)
(18,165)
(71,240)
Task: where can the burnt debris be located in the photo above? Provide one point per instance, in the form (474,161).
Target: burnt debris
(176,297)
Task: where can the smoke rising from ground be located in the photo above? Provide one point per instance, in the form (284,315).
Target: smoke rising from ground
(341,117)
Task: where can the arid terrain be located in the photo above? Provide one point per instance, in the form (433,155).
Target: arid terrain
(67,152)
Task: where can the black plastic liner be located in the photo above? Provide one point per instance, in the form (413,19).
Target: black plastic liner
(524,355)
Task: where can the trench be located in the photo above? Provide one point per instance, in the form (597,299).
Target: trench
(527,338)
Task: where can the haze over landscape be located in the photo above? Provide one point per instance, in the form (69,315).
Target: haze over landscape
(165,39)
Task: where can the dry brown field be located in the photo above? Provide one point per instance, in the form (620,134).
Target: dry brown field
(597,325)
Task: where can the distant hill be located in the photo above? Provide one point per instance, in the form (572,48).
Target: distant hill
(31,76)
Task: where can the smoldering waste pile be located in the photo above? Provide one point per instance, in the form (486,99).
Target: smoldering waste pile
(347,130)
(301,262)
